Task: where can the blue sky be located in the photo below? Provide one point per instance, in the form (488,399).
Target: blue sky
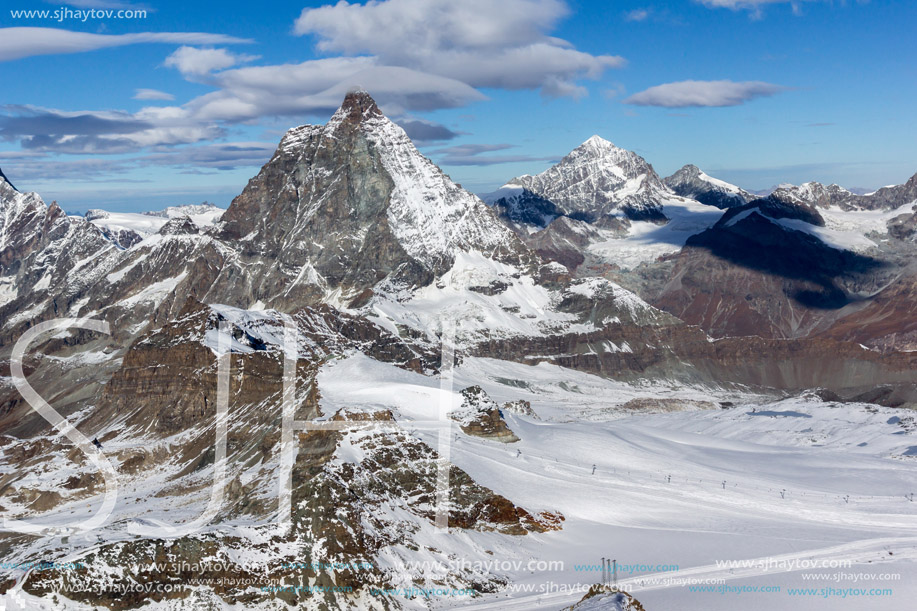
(186,103)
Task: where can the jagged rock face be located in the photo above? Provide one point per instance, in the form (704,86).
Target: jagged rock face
(685,353)
(888,323)
(691,182)
(890,198)
(4,179)
(348,508)
(341,207)
(817,194)
(39,248)
(597,180)
(521,208)
(904,226)
(563,241)
(123,238)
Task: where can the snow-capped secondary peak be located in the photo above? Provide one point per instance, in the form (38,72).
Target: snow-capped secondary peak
(690,181)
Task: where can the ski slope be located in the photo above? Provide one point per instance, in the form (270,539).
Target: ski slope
(764,480)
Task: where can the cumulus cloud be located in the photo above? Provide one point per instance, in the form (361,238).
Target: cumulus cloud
(456,50)
(313,88)
(481,43)
(152,94)
(703,93)
(194,62)
(16,43)
(317,87)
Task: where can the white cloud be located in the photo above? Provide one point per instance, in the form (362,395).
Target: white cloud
(752,5)
(16,43)
(638,14)
(152,94)
(703,93)
(482,43)
(194,62)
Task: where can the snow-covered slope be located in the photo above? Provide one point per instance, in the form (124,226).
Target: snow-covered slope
(127,228)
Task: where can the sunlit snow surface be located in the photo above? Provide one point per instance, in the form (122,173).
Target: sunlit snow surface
(815,453)
(645,241)
(145,224)
(856,230)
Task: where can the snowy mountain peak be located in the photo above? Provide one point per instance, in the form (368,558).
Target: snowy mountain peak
(359,105)
(688,171)
(394,213)
(604,151)
(598,179)
(596,142)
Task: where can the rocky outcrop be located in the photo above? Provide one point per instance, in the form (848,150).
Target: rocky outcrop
(904,226)
(679,352)
(520,407)
(480,416)
(605,598)
(564,240)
